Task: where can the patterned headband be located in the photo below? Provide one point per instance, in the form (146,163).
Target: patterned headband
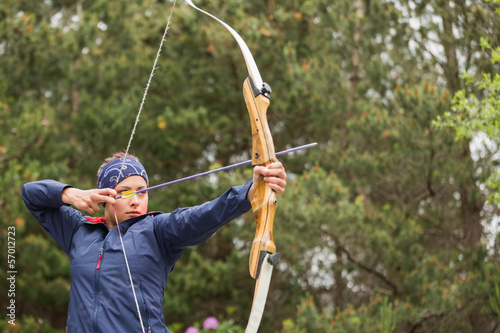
(110,175)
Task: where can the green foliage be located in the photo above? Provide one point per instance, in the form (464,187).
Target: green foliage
(495,300)
(476,112)
(471,114)
(226,327)
(28,324)
(380,225)
(387,317)
(378,316)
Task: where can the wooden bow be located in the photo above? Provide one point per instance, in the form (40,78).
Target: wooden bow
(263,253)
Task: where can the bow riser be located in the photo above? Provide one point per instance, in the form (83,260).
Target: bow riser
(263,199)
(262,140)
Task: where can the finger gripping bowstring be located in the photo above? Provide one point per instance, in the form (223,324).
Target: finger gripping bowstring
(126,153)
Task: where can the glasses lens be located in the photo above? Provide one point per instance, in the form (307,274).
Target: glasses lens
(128,194)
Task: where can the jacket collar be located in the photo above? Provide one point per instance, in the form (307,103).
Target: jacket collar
(123,225)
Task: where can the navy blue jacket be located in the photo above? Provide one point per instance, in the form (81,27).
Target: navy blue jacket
(101,298)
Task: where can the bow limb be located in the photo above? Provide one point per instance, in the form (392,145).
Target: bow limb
(250,62)
(259,298)
(263,253)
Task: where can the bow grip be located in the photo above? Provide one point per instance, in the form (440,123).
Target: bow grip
(264,205)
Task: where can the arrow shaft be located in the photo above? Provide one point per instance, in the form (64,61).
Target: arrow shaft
(206,173)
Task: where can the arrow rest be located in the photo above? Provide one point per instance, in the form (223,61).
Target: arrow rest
(266,90)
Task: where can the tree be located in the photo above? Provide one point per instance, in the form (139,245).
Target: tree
(380,228)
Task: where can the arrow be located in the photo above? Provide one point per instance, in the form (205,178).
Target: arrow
(128,194)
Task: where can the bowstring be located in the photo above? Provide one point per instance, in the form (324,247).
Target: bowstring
(141,106)
(129,273)
(143,101)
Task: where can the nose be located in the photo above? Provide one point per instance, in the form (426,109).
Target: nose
(133,201)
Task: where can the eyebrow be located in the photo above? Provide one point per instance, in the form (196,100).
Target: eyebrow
(123,188)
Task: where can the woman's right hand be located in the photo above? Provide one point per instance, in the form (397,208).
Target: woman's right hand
(88,200)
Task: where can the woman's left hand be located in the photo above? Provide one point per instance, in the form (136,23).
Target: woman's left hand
(274,174)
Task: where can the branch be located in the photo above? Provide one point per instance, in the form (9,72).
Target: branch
(363,266)
(424,319)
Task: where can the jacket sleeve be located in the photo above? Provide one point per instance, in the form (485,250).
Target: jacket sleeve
(191,226)
(44,200)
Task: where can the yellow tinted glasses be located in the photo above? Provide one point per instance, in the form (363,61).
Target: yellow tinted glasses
(128,194)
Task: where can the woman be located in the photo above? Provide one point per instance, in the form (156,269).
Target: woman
(102,298)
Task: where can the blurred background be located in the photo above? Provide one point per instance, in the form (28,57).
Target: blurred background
(388,225)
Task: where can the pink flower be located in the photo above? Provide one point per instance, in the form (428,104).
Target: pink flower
(211,322)
(192,329)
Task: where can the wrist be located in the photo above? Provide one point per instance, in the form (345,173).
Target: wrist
(66,195)
(250,192)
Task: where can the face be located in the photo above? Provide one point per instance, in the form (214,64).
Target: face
(126,208)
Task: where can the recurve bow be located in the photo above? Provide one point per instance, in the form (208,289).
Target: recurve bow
(263,254)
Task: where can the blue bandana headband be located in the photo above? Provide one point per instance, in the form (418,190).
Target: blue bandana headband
(110,175)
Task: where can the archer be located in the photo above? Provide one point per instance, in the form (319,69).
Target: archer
(102,299)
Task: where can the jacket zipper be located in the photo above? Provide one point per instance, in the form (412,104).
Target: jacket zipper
(145,305)
(97,290)
(100,257)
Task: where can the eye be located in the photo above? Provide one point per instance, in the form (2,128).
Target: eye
(128,194)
